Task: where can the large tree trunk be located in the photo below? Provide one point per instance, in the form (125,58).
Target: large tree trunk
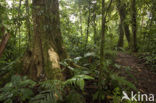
(42,59)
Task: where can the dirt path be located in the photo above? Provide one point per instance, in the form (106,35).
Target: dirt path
(144,80)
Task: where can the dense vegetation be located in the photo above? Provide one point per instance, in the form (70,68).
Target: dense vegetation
(65,51)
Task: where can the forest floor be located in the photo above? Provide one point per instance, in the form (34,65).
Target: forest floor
(137,73)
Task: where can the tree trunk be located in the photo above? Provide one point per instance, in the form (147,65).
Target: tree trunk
(102,48)
(28,27)
(4,43)
(121,35)
(127,33)
(122,17)
(102,35)
(103,73)
(94,23)
(124,28)
(134,25)
(42,60)
(80,18)
(88,25)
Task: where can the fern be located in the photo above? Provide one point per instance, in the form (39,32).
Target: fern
(78,80)
(19,89)
(51,84)
(9,67)
(46,96)
(54,88)
(74,97)
(122,81)
(51,94)
(110,53)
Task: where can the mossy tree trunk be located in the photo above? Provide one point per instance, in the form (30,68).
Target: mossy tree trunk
(42,59)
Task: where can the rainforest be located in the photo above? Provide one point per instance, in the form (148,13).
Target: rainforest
(77,51)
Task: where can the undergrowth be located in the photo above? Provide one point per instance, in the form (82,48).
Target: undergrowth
(73,90)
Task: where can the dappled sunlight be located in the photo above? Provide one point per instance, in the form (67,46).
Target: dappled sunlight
(54,58)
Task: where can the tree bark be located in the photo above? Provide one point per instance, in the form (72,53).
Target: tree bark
(102,36)
(80,19)
(94,23)
(123,27)
(134,25)
(127,33)
(42,60)
(121,35)
(88,25)
(28,22)
(4,43)
(101,71)
(122,17)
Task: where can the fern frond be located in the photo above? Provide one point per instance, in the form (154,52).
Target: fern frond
(78,80)
(122,81)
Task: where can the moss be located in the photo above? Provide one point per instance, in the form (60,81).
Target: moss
(53,73)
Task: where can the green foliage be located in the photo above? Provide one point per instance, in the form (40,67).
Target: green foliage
(110,54)
(121,82)
(78,80)
(74,14)
(53,89)
(74,71)
(111,82)
(7,68)
(51,92)
(149,59)
(74,97)
(116,95)
(18,90)
(51,84)
(117,66)
(114,83)
(46,96)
